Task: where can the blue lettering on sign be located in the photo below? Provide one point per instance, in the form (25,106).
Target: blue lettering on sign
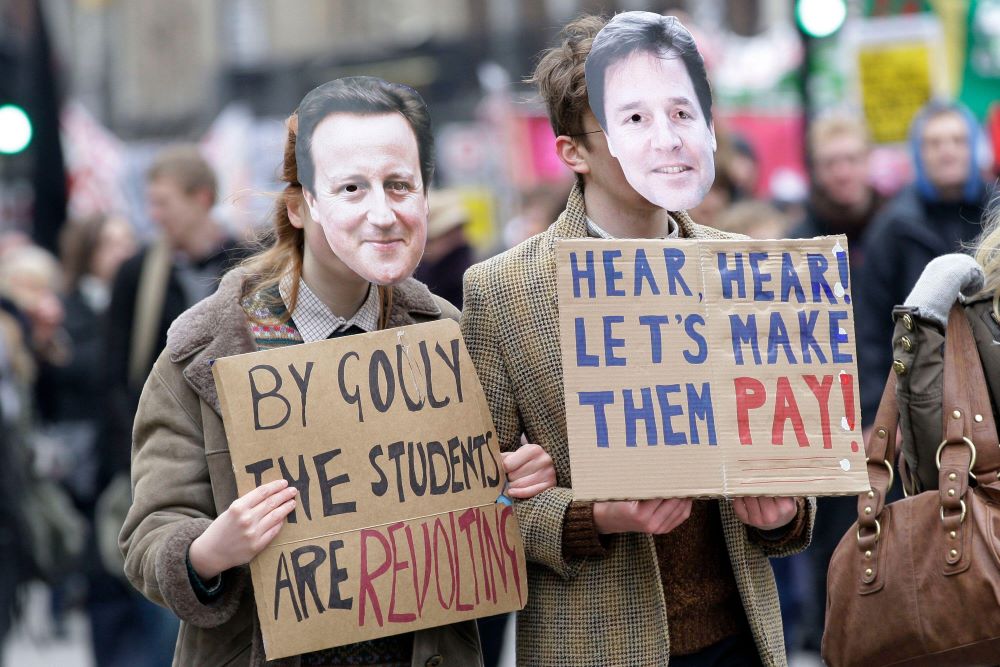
(818,265)
(582,358)
(807,339)
(674,259)
(599,399)
(732,275)
(587,274)
(790,280)
(667,412)
(741,333)
(634,414)
(837,338)
(654,322)
(701,355)
(611,275)
(759,278)
(611,341)
(643,272)
(777,336)
(700,408)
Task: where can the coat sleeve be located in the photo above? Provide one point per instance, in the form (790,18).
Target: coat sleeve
(541,518)
(172,502)
(795,539)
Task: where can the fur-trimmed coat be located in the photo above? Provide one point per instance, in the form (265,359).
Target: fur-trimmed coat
(594,611)
(182,478)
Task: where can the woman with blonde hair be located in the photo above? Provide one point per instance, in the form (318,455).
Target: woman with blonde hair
(349,229)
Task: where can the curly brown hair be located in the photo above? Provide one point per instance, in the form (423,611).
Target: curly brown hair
(561,78)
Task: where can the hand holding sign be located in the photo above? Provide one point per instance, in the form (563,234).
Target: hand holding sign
(529,471)
(243,530)
(400,522)
(765,513)
(654,517)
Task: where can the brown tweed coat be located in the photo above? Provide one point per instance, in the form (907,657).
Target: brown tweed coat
(585,611)
(182,478)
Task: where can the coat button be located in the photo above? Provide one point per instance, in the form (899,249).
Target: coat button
(899,367)
(906,343)
(434,661)
(908,322)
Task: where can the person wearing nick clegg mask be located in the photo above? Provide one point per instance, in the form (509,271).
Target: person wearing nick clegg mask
(621,583)
(349,230)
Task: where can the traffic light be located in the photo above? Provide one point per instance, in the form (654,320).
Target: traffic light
(15,129)
(820,18)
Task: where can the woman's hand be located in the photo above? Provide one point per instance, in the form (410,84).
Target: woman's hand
(529,471)
(243,530)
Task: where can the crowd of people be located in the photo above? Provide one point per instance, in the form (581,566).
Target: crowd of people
(81,333)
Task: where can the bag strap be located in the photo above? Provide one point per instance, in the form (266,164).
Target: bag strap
(967,407)
(149,300)
(969,429)
(881,452)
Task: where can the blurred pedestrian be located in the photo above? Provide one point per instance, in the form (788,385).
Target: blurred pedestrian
(34,336)
(841,201)
(940,213)
(841,197)
(756,219)
(538,207)
(72,400)
(448,253)
(181,267)
(72,394)
(17,369)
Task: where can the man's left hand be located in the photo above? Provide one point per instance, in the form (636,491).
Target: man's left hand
(765,513)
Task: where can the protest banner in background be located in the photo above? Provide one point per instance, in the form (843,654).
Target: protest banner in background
(400,524)
(709,368)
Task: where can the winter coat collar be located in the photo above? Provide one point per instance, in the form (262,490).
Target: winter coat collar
(217,327)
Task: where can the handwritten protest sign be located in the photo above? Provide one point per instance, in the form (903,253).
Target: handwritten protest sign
(709,368)
(399,525)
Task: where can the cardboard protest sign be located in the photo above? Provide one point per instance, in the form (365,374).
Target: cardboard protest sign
(709,368)
(400,524)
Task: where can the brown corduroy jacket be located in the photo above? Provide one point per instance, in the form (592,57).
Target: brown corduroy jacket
(590,611)
(182,478)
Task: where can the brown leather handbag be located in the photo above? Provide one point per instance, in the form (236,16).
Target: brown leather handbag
(917,581)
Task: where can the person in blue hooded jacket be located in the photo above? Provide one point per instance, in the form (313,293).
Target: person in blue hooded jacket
(939,213)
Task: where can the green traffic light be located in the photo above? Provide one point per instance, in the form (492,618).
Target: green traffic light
(15,129)
(820,18)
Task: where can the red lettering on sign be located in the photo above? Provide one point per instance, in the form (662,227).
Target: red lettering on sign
(750,395)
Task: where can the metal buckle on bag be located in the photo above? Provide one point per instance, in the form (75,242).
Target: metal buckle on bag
(892,473)
(962,518)
(878,532)
(972,448)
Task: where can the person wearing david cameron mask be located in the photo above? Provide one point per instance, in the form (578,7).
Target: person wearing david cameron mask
(349,229)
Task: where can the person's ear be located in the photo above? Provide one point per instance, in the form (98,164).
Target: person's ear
(298,209)
(309,208)
(572,154)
